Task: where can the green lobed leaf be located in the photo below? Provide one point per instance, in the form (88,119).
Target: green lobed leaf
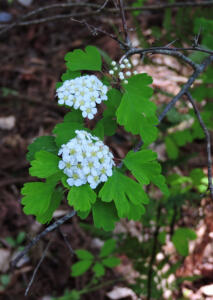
(83,214)
(136,113)
(44,165)
(98,269)
(55,201)
(80,267)
(111,262)
(121,189)
(105,127)
(74,116)
(145,168)
(181,138)
(197,175)
(81,197)
(114,99)
(66,131)
(135,212)
(37,196)
(46,143)
(84,254)
(99,130)
(171,148)
(90,59)
(104,215)
(108,248)
(58,85)
(70,75)
(181,239)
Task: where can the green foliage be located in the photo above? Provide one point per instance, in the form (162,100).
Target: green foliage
(108,248)
(104,215)
(6,92)
(145,168)
(70,295)
(104,259)
(137,3)
(81,267)
(136,113)
(181,239)
(66,131)
(81,198)
(4,281)
(44,165)
(40,198)
(46,143)
(121,196)
(78,60)
(126,194)
(16,242)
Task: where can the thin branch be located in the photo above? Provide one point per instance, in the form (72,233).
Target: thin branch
(96,29)
(66,242)
(198,70)
(208,142)
(186,86)
(50,228)
(36,270)
(168,51)
(98,9)
(124,23)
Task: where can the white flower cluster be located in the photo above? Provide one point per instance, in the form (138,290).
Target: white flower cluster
(122,70)
(85,158)
(83,93)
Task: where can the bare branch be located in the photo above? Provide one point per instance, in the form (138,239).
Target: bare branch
(98,9)
(186,86)
(96,29)
(50,228)
(66,241)
(36,270)
(198,70)
(123,18)
(169,51)
(208,142)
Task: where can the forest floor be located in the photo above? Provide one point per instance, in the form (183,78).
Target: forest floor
(32,60)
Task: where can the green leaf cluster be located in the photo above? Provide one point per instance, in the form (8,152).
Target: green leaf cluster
(136,112)
(120,196)
(181,239)
(104,260)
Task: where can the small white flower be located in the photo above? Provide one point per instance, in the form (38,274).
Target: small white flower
(111,72)
(86,159)
(129,66)
(125,81)
(115,68)
(128,73)
(135,72)
(83,93)
(122,66)
(113,63)
(126,61)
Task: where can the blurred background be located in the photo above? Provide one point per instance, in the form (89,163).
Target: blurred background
(32,54)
